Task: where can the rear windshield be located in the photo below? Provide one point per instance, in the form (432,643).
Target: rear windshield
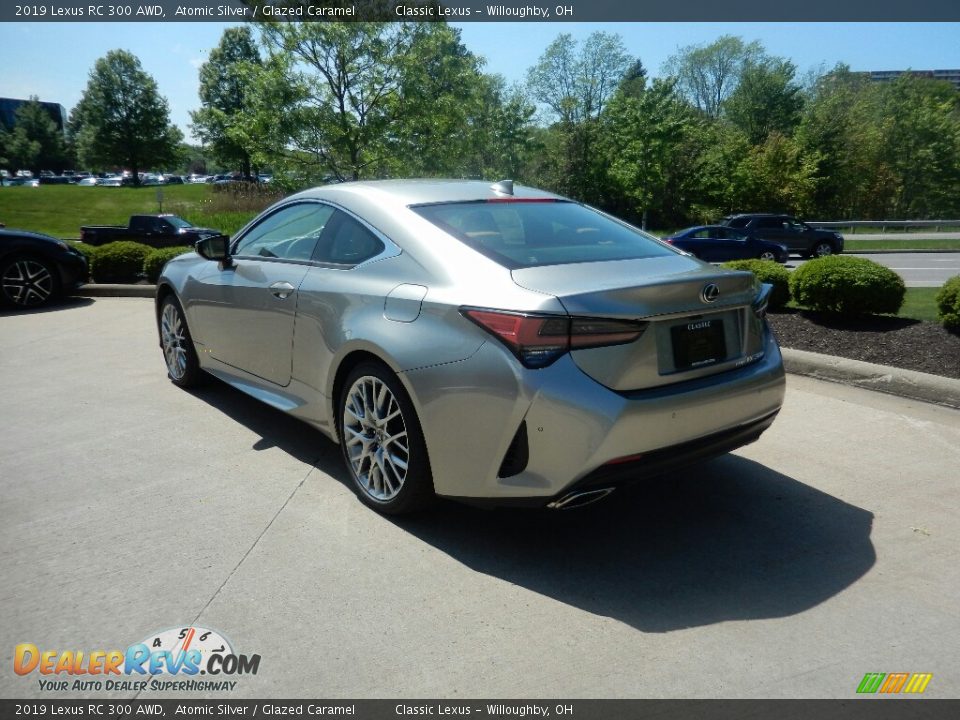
(520,234)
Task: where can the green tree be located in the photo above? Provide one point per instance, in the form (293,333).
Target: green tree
(574,84)
(224,97)
(122,120)
(920,142)
(642,138)
(34,143)
(708,74)
(767,99)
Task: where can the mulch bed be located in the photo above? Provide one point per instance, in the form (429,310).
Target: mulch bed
(909,344)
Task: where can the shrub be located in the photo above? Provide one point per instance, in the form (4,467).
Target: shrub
(847,285)
(154,262)
(120,261)
(88,251)
(948,304)
(767,271)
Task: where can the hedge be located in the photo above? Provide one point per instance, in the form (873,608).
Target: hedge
(120,261)
(847,285)
(767,271)
(948,304)
(154,262)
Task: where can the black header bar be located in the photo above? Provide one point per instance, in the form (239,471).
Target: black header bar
(480,11)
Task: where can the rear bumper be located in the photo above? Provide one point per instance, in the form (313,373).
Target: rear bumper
(574,427)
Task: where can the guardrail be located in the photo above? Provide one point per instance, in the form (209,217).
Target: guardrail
(884,224)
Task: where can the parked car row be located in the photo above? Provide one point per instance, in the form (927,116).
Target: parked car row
(764,236)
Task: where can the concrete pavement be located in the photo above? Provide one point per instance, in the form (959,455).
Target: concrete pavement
(788,569)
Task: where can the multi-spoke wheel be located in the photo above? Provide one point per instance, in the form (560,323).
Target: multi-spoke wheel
(767,255)
(183,368)
(28,282)
(822,249)
(382,441)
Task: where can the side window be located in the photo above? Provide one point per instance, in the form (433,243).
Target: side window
(701,234)
(769,223)
(347,242)
(291,233)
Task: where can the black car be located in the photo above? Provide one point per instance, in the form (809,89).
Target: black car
(36,268)
(799,237)
(718,243)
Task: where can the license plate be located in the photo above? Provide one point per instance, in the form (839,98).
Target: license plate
(698,343)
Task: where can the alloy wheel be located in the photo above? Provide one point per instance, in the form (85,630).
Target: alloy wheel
(173,338)
(375,438)
(767,255)
(28,283)
(823,249)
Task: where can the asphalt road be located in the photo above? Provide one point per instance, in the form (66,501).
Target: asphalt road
(789,569)
(916,269)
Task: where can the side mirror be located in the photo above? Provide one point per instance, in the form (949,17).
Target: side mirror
(215,247)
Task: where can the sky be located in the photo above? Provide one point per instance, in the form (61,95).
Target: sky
(53,60)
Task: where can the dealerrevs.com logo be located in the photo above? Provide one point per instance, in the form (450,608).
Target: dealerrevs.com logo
(182,653)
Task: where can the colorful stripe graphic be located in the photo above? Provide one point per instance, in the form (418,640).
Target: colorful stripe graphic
(892,683)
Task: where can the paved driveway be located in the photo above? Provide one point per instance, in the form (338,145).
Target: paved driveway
(789,569)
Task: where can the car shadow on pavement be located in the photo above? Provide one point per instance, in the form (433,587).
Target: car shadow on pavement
(275,428)
(730,539)
(67,303)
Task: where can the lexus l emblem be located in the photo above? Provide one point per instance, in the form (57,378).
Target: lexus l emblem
(709,293)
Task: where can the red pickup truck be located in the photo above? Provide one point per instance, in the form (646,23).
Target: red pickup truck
(153,230)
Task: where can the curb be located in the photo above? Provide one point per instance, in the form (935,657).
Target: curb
(882,378)
(115,290)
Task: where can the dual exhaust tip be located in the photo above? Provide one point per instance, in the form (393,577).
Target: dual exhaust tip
(579,498)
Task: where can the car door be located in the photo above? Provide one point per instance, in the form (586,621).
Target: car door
(736,244)
(244,313)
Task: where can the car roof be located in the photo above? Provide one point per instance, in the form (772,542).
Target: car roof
(415,192)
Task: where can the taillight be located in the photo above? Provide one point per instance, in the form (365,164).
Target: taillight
(538,340)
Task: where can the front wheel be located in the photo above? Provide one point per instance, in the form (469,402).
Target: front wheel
(183,368)
(822,249)
(382,442)
(28,282)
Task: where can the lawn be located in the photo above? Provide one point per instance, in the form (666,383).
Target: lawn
(928,244)
(60,210)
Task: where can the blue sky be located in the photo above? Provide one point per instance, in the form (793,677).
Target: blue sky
(52,60)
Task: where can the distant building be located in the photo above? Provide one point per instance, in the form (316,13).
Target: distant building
(952,76)
(8,110)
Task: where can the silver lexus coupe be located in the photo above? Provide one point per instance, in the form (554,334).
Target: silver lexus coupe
(493,344)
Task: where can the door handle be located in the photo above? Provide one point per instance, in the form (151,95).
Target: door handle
(282,289)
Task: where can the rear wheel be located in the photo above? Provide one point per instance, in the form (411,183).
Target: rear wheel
(28,282)
(382,442)
(767,255)
(822,249)
(183,368)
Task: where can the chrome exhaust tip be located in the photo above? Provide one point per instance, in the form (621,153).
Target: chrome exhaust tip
(579,499)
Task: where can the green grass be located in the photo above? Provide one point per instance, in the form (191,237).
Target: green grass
(900,244)
(918,304)
(60,210)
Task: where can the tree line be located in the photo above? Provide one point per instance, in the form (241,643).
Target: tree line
(726,126)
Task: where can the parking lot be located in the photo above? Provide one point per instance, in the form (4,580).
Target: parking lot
(788,569)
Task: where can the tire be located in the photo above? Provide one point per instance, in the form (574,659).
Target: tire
(822,249)
(375,417)
(179,354)
(767,255)
(27,281)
